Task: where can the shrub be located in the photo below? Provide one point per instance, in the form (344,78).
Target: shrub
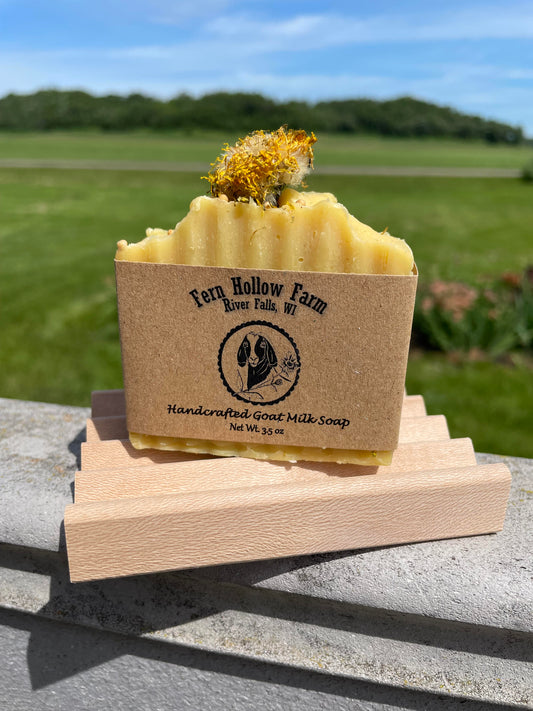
(495,319)
(527,172)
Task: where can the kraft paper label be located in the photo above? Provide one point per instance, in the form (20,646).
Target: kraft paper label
(279,357)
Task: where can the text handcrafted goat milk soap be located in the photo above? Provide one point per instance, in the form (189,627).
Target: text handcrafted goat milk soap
(270,323)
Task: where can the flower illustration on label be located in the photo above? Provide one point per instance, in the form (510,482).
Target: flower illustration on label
(259,363)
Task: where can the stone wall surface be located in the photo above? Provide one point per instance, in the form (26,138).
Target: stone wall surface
(444,624)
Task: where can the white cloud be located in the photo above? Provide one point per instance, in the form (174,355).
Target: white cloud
(315,31)
(518,74)
(235,39)
(170,12)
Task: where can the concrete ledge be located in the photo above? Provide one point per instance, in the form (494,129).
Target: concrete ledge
(405,625)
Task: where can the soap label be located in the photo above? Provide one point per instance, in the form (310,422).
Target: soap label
(264,356)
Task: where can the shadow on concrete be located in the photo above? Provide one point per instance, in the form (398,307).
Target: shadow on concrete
(58,651)
(74,446)
(139,605)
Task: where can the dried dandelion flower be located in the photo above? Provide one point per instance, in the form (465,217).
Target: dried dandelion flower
(259,166)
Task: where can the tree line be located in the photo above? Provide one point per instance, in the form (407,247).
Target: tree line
(243,112)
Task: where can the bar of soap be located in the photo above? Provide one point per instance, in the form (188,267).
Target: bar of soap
(308,231)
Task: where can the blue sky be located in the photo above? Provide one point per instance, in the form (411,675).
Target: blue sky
(472,55)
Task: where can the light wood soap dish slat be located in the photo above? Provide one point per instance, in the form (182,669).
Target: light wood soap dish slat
(149,511)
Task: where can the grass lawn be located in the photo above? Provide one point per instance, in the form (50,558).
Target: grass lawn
(378,150)
(58,318)
(204,147)
(489,402)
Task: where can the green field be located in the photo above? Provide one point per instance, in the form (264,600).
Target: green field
(489,402)
(57,240)
(204,147)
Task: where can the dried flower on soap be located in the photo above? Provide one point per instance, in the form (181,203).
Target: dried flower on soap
(259,166)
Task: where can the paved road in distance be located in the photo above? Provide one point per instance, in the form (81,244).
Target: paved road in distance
(164,166)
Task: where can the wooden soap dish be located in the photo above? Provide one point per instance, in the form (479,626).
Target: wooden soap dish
(150,511)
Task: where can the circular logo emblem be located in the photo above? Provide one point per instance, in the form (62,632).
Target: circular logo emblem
(259,363)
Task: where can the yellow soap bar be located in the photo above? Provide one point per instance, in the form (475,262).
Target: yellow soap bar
(308,231)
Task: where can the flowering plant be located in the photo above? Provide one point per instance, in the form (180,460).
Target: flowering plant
(494,319)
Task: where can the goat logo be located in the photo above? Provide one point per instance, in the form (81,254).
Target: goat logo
(259,363)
